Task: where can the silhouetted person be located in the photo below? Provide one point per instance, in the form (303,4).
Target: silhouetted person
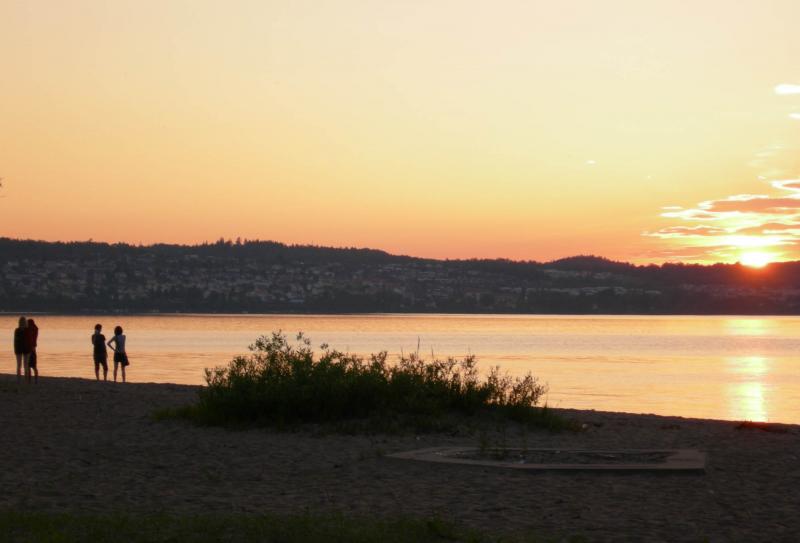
(33,338)
(100,353)
(22,349)
(120,356)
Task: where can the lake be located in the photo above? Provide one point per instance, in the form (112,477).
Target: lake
(736,368)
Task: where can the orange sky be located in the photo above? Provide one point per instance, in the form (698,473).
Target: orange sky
(643,131)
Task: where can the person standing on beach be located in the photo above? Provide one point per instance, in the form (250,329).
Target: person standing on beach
(33,338)
(120,356)
(100,352)
(22,349)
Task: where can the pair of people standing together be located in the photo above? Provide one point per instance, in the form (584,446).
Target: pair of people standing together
(25,337)
(116,344)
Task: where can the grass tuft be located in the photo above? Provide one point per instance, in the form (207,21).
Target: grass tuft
(283,384)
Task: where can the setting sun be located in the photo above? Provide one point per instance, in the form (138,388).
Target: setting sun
(756,260)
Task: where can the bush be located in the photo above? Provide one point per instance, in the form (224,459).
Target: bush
(283,383)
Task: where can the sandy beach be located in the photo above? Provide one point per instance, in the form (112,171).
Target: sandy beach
(75,445)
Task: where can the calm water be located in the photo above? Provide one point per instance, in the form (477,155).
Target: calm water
(716,367)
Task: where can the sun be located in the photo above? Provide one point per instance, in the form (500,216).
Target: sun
(755,259)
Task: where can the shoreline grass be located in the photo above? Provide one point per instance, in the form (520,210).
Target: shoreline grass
(283,384)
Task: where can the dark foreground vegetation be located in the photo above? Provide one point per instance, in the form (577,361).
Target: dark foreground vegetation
(284,384)
(302,528)
(269,277)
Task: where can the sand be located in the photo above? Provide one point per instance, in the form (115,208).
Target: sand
(81,446)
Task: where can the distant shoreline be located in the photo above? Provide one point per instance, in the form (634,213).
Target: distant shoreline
(272,278)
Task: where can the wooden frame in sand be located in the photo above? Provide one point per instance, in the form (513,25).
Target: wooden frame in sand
(672,460)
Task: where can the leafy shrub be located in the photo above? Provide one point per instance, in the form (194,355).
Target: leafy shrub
(284,383)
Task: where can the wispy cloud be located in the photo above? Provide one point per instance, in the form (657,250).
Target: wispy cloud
(731,226)
(715,210)
(690,231)
(728,228)
(770,228)
(787,88)
(749,203)
(787,184)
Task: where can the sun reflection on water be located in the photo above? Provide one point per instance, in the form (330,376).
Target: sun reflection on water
(748,326)
(748,403)
(749,365)
(747,398)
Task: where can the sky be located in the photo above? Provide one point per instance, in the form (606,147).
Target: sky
(641,130)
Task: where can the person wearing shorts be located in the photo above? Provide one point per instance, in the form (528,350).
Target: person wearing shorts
(117,344)
(100,352)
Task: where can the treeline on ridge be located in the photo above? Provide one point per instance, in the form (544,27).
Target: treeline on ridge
(266,276)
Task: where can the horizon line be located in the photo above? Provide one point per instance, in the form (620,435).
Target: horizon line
(243,241)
